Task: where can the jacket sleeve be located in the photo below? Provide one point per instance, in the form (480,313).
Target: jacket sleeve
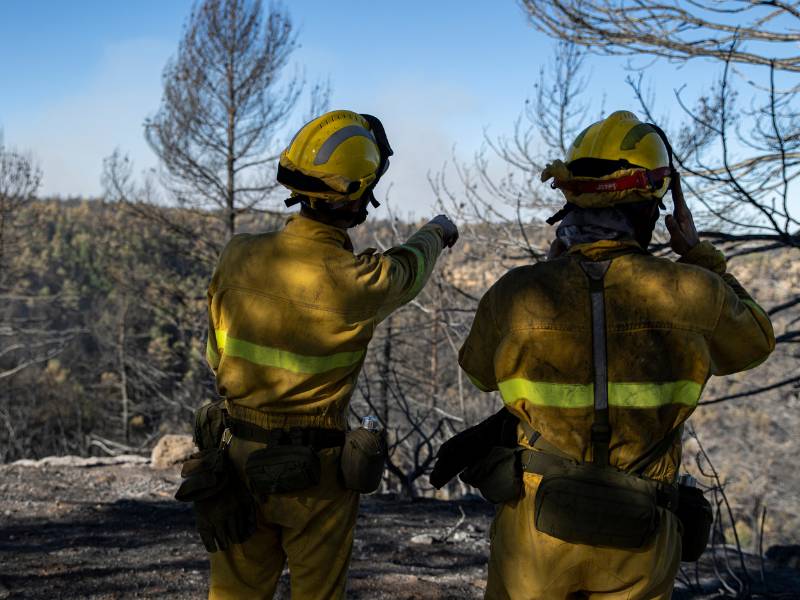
(742,337)
(213,353)
(212,350)
(409,267)
(476,356)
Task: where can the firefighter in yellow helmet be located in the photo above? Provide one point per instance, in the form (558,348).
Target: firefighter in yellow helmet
(600,355)
(291,313)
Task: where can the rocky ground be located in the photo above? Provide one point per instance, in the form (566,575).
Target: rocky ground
(102,529)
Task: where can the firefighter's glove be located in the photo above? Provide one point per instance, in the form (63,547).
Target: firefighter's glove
(466,448)
(449,230)
(225,511)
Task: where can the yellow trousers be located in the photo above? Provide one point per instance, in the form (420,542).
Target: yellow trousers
(526,564)
(312,530)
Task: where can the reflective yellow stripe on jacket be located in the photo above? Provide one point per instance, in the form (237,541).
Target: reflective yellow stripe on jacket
(626,395)
(669,327)
(283,359)
(291,313)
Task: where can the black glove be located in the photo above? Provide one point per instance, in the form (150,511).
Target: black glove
(227,518)
(471,445)
(225,511)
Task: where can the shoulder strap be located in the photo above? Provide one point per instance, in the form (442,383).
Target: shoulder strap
(601,427)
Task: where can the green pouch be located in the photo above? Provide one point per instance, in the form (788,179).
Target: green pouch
(209,423)
(363,460)
(204,475)
(498,475)
(696,516)
(598,506)
(282,469)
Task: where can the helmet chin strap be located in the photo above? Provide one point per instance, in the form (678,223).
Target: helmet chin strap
(363,210)
(343,218)
(360,216)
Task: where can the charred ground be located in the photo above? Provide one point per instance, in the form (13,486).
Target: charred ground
(113,531)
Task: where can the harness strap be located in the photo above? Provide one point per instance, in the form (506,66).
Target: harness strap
(601,428)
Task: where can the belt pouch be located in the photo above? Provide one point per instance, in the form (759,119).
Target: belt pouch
(696,516)
(282,469)
(363,460)
(598,506)
(498,475)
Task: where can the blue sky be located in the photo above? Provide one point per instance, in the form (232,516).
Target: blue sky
(79,78)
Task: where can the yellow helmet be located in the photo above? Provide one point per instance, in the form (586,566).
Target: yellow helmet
(336,158)
(614,161)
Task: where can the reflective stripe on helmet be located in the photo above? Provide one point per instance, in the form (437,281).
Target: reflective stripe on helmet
(283,359)
(335,140)
(635,135)
(623,395)
(338,156)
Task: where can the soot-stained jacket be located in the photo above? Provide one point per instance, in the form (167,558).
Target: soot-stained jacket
(291,313)
(670,326)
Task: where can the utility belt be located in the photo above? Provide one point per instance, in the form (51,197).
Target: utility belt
(226,507)
(315,437)
(665,495)
(290,463)
(584,503)
(588,504)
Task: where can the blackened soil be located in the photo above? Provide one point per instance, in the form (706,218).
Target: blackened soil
(107,532)
(115,532)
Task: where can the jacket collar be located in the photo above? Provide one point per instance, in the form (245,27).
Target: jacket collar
(303,227)
(604,249)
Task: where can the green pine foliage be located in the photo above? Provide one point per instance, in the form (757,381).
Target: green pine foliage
(98,296)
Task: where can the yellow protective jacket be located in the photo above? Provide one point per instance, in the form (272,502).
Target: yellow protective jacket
(291,313)
(670,326)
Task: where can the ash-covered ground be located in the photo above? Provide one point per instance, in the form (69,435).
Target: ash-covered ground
(105,531)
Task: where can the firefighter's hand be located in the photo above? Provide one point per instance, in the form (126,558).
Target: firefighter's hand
(682,232)
(449,230)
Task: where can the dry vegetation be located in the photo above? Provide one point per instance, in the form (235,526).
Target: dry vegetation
(102,311)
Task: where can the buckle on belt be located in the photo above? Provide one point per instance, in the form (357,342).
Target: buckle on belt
(227,437)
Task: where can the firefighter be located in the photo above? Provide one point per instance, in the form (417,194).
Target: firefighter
(291,313)
(600,355)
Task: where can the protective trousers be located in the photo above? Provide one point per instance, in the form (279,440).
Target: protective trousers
(311,529)
(526,564)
